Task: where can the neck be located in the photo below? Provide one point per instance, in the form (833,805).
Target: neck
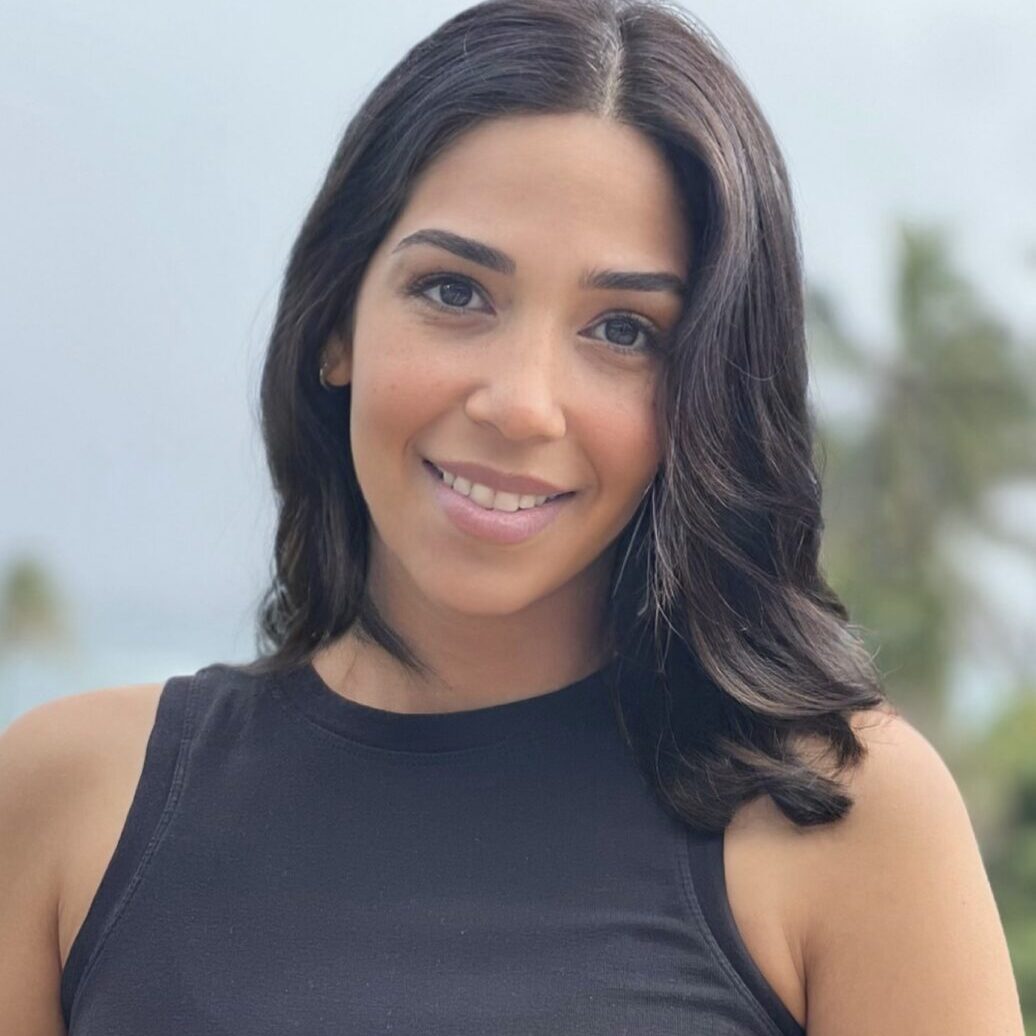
(474,660)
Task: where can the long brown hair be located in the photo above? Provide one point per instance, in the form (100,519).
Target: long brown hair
(728,643)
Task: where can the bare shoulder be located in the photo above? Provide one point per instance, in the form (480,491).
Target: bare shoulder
(47,751)
(770,888)
(897,925)
(50,750)
(900,776)
(68,768)
(58,761)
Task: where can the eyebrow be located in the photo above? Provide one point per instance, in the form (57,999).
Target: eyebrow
(486,255)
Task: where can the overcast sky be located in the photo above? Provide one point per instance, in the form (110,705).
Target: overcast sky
(158,159)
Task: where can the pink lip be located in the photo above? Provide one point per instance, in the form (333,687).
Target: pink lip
(499,480)
(504,527)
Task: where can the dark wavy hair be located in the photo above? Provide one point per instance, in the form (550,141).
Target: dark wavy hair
(730,653)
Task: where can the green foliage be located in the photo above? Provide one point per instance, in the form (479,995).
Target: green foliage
(1007,760)
(30,607)
(950,418)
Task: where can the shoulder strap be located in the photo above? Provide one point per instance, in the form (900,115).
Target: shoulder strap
(153,804)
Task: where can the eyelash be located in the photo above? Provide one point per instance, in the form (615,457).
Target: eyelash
(419,286)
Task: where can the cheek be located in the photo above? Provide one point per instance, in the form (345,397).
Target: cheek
(395,391)
(621,438)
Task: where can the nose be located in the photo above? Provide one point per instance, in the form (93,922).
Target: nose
(519,388)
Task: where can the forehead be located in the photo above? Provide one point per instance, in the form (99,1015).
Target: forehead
(558,181)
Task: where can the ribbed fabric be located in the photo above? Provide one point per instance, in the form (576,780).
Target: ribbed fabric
(294,861)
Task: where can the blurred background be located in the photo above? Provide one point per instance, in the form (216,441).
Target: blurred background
(159,160)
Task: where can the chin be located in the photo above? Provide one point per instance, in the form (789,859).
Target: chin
(475,599)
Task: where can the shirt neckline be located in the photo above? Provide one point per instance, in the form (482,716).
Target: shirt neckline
(302,687)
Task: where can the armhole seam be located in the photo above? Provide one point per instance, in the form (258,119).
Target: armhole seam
(83,956)
(701,860)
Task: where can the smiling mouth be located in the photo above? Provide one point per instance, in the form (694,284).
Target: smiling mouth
(484,496)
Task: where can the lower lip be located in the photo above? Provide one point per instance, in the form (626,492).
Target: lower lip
(494,526)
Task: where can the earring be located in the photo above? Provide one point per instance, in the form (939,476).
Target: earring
(323,377)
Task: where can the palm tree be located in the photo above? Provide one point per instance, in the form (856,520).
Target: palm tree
(951,418)
(30,610)
(34,635)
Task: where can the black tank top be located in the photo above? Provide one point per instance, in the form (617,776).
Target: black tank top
(293,861)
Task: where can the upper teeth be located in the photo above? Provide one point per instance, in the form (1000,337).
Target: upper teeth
(491,499)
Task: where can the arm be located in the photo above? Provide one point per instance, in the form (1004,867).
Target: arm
(32,776)
(903,936)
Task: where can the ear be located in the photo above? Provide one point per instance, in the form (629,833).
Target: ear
(337,354)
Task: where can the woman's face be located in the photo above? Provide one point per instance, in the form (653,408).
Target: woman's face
(503,357)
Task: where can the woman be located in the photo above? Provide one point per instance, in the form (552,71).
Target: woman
(556,727)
